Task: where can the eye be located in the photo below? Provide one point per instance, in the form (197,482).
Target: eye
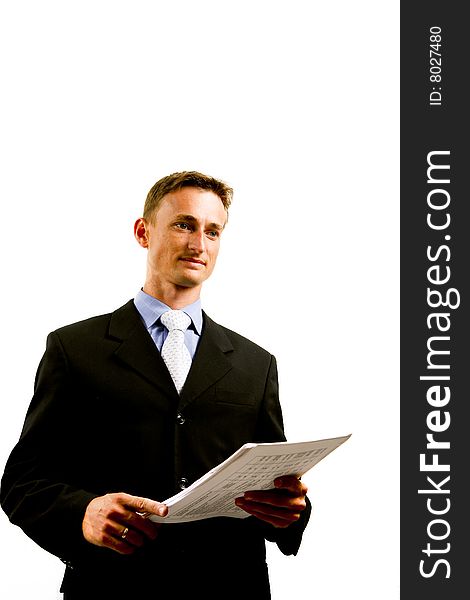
(183,226)
(213,234)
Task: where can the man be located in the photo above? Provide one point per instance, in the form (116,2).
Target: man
(110,433)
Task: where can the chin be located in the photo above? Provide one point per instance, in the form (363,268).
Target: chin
(192,278)
(189,282)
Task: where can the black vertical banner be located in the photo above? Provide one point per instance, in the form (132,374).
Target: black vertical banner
(434,306)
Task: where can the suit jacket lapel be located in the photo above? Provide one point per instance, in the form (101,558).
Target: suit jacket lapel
(138,351)
(210,362)
(137,348)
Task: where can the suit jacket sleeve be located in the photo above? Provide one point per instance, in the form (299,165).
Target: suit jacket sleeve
(271,425)
(36,492)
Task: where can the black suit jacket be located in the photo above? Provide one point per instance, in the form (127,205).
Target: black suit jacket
(106,417)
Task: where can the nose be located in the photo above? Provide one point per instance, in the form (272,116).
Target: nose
(197,241)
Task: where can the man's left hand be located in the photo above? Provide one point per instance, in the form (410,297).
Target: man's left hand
(280,506)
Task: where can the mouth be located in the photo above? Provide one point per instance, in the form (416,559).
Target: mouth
(192,260)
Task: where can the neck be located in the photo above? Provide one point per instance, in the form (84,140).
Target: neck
(173,296)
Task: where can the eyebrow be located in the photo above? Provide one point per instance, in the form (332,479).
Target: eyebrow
(192,219)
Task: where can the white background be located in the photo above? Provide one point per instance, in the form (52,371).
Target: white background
(296,106)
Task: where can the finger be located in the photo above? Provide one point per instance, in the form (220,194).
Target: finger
(144,505)
(136,518)
(275,521)
(140,523)
(291,483)
(275,516)
(281,510)
(114,542)
(129,536)
(118,534)
(276,498)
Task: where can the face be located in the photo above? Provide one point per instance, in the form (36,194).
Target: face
(183,241)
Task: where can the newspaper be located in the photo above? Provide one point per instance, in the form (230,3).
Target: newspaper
(251,467)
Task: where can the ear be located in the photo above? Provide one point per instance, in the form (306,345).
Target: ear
(141,232)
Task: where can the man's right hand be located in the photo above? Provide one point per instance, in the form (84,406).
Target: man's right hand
(118,521)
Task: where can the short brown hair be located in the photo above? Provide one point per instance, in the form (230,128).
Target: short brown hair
(176,181)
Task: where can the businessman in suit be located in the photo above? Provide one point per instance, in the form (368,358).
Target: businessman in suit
(110,433)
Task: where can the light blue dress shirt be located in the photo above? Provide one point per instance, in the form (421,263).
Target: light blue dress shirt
(151,309)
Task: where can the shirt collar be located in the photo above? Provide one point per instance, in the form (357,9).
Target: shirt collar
(151,309)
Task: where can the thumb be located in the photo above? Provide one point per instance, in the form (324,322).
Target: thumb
(145,506)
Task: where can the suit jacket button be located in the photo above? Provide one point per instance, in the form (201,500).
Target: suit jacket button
(183,483)
(180,419)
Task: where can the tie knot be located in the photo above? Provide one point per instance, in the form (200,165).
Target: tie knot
(175,319)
